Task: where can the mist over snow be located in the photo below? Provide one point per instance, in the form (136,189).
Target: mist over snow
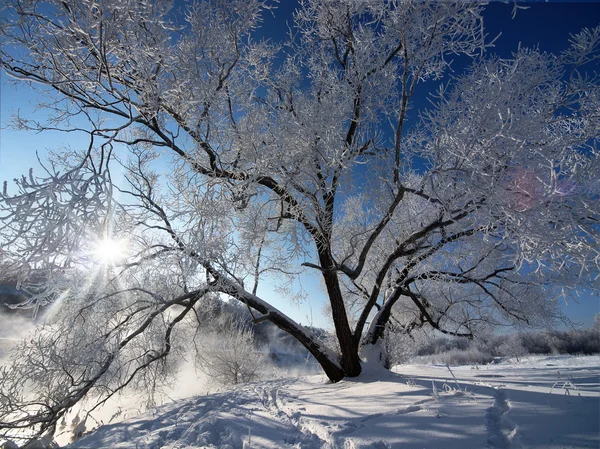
(12,329)
(284,357)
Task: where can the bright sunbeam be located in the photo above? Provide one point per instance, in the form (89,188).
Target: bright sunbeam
(110,251)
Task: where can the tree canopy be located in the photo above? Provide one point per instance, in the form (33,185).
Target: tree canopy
(242,160)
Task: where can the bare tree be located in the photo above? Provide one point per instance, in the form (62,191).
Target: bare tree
(228,354)
(244,160)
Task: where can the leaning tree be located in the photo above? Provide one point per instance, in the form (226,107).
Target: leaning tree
(217,160)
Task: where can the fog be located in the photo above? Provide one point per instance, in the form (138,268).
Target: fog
(186,384)
(13,328)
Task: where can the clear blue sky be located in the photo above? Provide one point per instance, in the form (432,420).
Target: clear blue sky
(545,24)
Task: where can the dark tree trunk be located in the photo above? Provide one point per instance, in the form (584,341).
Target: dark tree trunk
(348,343)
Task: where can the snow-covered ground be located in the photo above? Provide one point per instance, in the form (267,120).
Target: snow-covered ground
(539,402)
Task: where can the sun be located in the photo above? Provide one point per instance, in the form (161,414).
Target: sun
(110,251)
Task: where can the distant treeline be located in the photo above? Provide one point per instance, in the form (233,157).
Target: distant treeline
(455,351)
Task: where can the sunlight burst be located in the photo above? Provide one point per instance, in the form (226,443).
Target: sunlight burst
(110,251)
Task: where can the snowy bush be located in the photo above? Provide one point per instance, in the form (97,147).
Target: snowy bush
(511,346)
(471,356)
(228,354)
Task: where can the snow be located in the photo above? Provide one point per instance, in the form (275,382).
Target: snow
(538,402)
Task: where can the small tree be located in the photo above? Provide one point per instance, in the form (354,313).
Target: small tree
(400,345)
(241,162)
(228,354)
(512,346)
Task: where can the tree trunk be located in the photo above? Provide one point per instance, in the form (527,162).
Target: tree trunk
(348,343)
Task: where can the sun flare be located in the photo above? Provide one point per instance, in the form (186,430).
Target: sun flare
(110,251)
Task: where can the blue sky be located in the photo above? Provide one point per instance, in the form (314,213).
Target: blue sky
(546,25)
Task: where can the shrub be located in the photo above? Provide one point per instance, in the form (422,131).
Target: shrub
(228,355)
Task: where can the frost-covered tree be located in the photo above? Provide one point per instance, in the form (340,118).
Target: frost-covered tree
(228,353)
(216,160)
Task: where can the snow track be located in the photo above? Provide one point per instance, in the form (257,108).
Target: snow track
(501,430)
